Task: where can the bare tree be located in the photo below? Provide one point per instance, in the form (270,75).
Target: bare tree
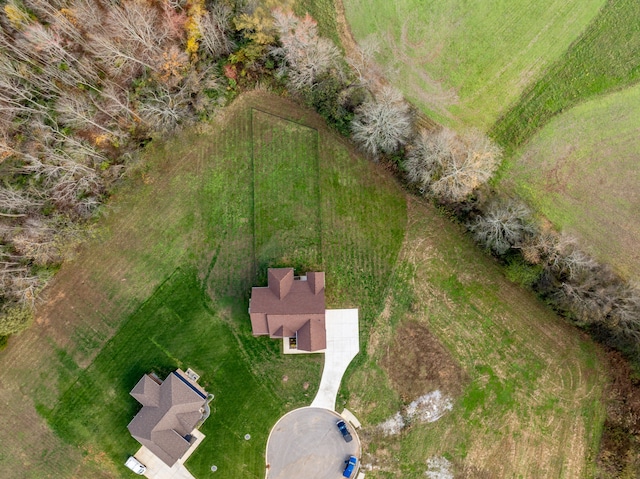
(567,260)
(130,37)
(382,125)
(451,166)
(361,60)
(305,54)
(599,297)
(114,103)
(14,202)
(505,225)
(78,112)
(215,28)
(59,65)
(18,94)
(163,110)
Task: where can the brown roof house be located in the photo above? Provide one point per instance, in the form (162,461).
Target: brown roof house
(171,410)
(291,307)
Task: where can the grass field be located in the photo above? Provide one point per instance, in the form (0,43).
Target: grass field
(527,390)
(605,58)
(465,63)
(179,327)
(165,284)
(581,171)
(288,230)
(323,12)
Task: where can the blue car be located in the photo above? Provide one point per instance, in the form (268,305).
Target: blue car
(351,465)
(343,429)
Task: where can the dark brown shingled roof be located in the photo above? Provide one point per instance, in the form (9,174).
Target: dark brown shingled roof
(312,336)
(170,411)
(289,307)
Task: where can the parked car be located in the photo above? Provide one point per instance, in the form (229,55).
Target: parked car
(344,430)
(350,467)
(135,465)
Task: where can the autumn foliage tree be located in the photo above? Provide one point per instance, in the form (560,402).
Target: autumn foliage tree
(82,83)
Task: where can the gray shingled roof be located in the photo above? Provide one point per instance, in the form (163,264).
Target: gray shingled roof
(170,412)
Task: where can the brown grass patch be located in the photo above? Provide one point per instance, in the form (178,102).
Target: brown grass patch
(417,363)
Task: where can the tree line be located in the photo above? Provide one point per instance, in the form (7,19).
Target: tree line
(84,83)
(454,169)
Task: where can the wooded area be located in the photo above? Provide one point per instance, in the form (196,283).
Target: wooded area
(84,83)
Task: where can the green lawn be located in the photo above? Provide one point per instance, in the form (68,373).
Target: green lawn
(288,230)
(581,172)
(179,327)
(166,283)
(603,59)
(527,394)
(466,63)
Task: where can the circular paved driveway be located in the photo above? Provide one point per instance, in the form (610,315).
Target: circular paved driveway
(306,444)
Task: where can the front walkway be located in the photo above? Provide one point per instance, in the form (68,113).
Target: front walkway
(343,343)
(156,469)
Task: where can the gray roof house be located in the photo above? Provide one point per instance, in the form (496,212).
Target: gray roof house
(171,410)
(290,307)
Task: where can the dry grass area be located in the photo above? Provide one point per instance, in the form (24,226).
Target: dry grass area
(527,389)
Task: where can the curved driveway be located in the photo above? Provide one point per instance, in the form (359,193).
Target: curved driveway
(306,444)
(343,343)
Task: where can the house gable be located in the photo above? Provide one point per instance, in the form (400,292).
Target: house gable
(287,305)
(170,412)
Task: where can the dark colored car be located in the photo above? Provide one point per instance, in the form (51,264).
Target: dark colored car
(351,465)
(343,429)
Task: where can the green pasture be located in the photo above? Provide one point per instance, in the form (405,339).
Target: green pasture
(603,59)
(466,63)
(531,402)
(166,284)
(581,172)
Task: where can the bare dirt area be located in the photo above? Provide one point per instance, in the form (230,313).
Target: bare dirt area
(618,456)
(417,363)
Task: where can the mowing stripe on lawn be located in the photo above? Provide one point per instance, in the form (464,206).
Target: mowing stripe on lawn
(605,58)
(286,192)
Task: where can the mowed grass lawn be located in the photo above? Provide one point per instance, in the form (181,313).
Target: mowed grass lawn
(604,59)
(465,63)
(165,284)
(527,396)
(179,327)
(581,171)
(288,227)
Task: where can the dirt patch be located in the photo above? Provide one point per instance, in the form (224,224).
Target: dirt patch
(619,455)
(417,363)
